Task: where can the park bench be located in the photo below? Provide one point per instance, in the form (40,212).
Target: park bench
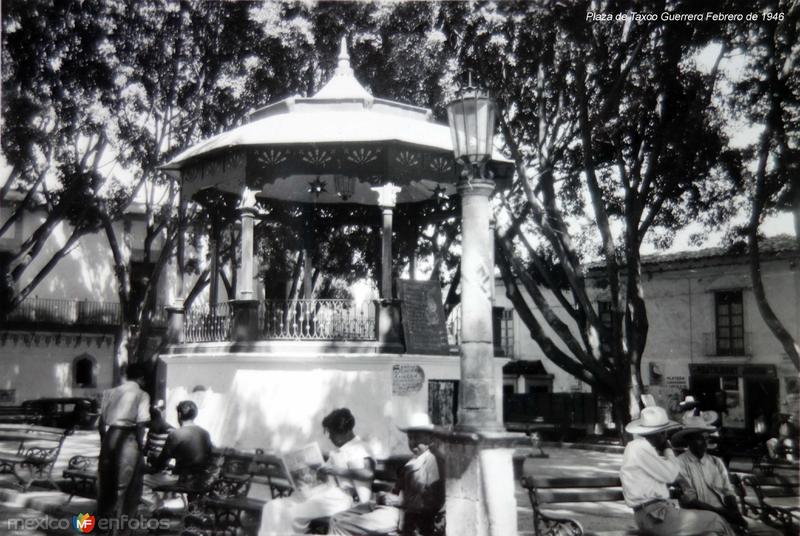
(773,498)
(37,448)
(241,511)
(546,493)
(18,415)
(81,471)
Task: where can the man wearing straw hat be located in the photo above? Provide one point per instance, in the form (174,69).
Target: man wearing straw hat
(412,507)
(648,466)
(704,479)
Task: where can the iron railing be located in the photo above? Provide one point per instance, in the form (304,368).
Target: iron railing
(208,324)
(68,312)
(344,320)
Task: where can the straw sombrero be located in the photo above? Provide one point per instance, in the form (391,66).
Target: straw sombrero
(653,419)
(418,422)
(688,403)
(692,424)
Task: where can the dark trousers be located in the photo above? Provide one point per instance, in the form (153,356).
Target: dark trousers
(119,473)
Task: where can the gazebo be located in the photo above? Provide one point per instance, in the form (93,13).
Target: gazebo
(264,376)
(340,146)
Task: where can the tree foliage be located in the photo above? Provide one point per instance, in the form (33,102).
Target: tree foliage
(767,94)
(615,146)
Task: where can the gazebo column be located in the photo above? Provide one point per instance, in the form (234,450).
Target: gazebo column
(245,306)
(308,248)
(388,309)
(213,288)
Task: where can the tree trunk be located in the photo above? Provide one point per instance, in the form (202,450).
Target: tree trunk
(790,346)
(760,197)
(120,352)
(621,410)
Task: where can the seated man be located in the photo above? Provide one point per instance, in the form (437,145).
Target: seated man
(418,496)
(348,475)
(783,444)
(648,466)
(190,446)
(704,480)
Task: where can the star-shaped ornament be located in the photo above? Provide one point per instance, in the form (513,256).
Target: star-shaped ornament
(440,192)
(317,187)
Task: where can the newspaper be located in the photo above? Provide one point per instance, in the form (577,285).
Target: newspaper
(301,466)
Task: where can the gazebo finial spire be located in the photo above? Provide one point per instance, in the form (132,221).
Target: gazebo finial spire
(343,83)
(343,67)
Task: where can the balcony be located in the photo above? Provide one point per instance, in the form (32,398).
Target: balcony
(726,348)
(65,313)
(52,313)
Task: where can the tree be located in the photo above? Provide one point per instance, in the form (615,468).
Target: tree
(97,99)
(768,95)
(53,144)
(608,127)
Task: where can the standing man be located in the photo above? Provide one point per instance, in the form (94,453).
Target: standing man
(704,479)
(648,467)
(124,414)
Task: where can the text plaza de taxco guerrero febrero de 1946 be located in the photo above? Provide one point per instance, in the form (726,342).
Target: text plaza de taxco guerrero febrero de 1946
(669,16)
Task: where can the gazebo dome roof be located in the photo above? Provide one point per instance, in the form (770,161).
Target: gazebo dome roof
(341,114)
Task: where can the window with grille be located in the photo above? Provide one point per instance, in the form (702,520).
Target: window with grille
(729,322)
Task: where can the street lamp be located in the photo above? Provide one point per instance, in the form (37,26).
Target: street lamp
(471,116)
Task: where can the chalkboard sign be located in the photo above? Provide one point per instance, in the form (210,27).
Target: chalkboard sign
(423,317)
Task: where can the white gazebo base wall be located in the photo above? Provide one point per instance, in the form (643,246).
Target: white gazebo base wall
(276,400)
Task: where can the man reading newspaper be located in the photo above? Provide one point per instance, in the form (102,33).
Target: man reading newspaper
(347,478)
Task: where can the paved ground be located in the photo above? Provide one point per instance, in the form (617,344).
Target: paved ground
(578,462)
(43,506)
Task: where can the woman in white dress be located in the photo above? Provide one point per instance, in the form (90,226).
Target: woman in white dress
(348,476)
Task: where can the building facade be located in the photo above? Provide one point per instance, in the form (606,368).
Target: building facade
(706,333)
(60,341)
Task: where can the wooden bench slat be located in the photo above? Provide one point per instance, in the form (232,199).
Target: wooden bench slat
(574,482)
(563,495)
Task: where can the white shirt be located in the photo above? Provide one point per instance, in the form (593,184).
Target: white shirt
(645,474)
(125,405)
(352,455)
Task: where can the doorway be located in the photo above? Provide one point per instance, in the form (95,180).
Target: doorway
(760,398)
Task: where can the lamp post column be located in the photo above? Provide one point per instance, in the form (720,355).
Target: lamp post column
(477,409)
